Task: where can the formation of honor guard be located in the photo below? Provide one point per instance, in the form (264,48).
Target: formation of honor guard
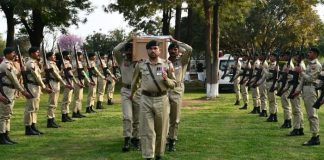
(261,72)
(151,92)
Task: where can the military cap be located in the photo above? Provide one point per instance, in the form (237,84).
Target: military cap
(49,54)
(32,50)
(65,53)
(79,53)
(128,46)
(102,54)
(91,54)
(316,50)
(151,44)
(8,50)
(173,45)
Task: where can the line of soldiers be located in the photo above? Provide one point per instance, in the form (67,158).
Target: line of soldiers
(151,96)
(72,77)
(262,74)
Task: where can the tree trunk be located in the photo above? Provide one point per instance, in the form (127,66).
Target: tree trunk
(166,21)
(35,32)
(8,9)
(189,26)
(207,10)
(177,22)
(215,65)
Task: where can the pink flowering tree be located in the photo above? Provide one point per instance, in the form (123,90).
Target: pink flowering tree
(67,42)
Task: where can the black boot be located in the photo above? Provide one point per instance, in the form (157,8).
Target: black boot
(81,115)
(258,110)
(275,118)
(313,141)
(51,123)
(296,132)
(99,105)
(29,131)
(263,113)
(255,110)
(237,103)
(110,102)
(172,143)
(136,143)
(92,110)
(76,115)
(286,124)
(88,110)
(33,126)
(65,118)
(301,131)
(3,139)
(158,157)
(68,117)
(126,146)
(272,118)
(244,106)
(8,139)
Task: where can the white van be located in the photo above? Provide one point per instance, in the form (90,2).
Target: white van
(225,84)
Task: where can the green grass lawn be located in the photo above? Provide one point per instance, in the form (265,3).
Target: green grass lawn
(209,130)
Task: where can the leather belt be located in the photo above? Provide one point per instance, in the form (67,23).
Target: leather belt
(154,94)
(128,86)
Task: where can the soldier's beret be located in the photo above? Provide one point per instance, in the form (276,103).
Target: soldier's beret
(65,53)
(128,46)
(32,50)
(173,45)
(102,54)
(8,50)
(79,53)
(151,44)
(91,54)
(49,54)
(316,50)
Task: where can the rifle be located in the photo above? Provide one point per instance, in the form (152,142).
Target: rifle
(294,82)
(90,69)
(245,71)
(234,70)
(226,67)
(105,69)
(318,103)
(251,70)
(275,75)
(79,69)
(24,73)
(1,89)
(258,74)
(284,78)
(66,70)
(47,70)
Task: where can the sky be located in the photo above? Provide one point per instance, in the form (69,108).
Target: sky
(99,21)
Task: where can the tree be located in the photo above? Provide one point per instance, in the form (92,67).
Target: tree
(68,41)
(8,7)
(141,14)
(105,43)
(2,44)
(35,15)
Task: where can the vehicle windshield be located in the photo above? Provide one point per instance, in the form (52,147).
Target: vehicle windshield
(223,63)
